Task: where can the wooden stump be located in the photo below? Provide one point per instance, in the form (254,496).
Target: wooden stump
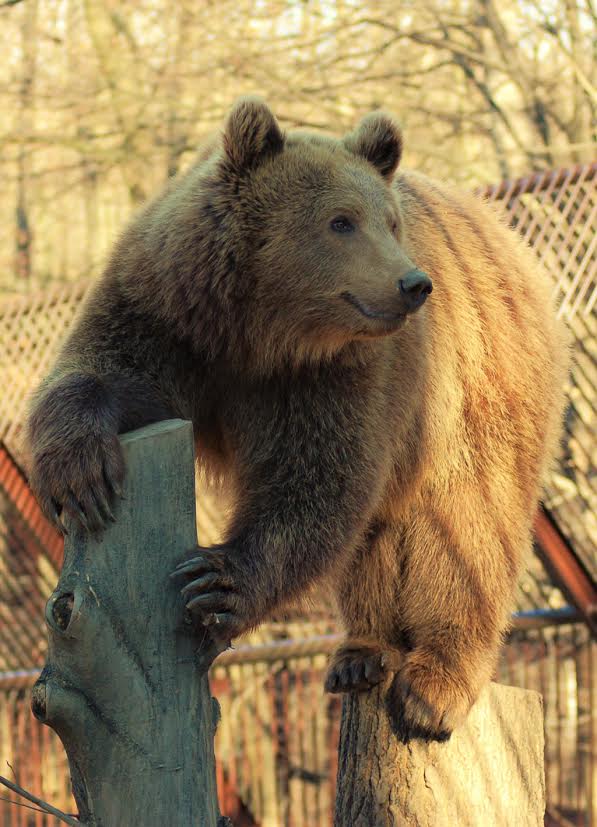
(489,773)
(123,686)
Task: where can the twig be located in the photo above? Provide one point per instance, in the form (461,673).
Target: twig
(47,808)
(20,804)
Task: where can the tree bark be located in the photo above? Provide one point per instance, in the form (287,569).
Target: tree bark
(489,772)
(26,111)
(123,685)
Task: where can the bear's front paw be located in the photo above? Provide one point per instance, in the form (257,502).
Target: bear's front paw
(80,478)
(216,591)
(427,700)
(358,665)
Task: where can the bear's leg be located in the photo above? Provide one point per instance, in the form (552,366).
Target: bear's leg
(455,596)
(366,595)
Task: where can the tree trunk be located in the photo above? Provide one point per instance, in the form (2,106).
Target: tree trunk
(123,685)
(23,234)
(489,773)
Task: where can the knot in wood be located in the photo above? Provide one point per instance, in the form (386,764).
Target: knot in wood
(38,700)
(62,610)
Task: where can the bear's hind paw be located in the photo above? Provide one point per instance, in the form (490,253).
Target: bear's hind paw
(426,700)
(359,665)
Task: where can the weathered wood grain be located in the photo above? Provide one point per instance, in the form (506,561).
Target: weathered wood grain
(122,685)
(490,772)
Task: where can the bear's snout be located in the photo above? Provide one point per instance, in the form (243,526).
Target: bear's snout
(414,288)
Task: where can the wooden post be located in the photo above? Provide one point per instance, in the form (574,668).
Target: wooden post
(123,685)
(490,772)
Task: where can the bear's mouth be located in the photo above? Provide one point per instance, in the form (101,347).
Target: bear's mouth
(370,313)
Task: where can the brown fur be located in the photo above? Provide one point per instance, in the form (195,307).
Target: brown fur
(399,457)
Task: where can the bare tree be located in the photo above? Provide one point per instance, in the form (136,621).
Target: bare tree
(23,235)
(123,95)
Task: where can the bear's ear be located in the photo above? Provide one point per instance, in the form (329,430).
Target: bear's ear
(378,139)
(251,134)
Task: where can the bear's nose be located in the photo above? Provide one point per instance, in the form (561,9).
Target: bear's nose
(415,286)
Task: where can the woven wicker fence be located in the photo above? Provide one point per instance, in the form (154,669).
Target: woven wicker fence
(277,744)
(556,212)
(277,741)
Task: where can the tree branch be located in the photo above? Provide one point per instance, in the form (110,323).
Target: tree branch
(43,805)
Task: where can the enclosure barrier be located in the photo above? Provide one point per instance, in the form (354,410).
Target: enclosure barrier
(556,213)
(276,745)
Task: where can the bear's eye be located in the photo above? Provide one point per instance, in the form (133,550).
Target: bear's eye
(394,227)
(341,224)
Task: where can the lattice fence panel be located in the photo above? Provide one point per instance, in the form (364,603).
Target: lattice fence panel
(556,212)
(31,330)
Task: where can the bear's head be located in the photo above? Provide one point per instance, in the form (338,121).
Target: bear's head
(303,238)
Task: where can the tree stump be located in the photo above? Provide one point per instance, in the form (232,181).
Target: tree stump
(490,772)
(123,685)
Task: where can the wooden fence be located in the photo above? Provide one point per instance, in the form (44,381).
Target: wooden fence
(277,740)
(556,213)
(278,737)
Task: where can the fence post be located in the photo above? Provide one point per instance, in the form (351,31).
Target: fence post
(123,685)
(489,773)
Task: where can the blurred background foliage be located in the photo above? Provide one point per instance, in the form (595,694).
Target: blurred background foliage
(103,100)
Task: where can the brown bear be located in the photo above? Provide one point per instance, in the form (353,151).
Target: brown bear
(389,439)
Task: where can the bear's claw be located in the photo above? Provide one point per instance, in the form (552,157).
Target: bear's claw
(356,667)
(426,700)
(214,594)
(81,480)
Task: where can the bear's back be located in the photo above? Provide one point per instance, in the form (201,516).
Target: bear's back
(496,356)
